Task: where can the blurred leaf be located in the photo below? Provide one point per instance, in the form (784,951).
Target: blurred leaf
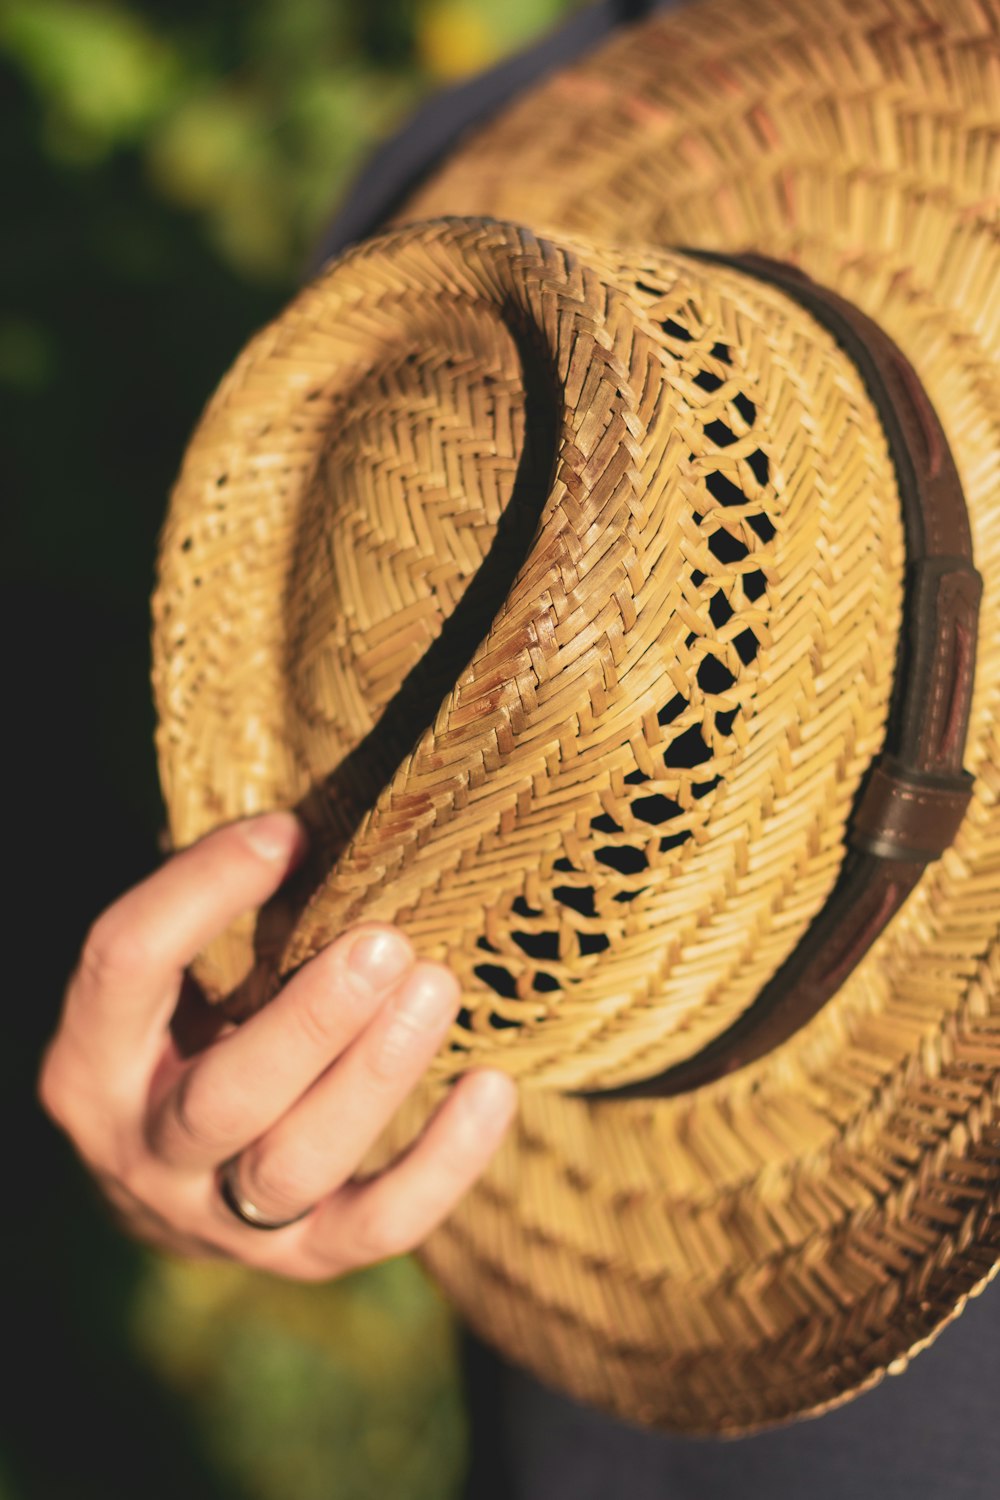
(27,355)
(345,1389)
(517,22)
(201,144)
(455,38)
(8,1489)
(218,153)
(103,74)
(458,37)
(287,35)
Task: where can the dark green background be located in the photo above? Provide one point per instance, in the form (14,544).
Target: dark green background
(166,170)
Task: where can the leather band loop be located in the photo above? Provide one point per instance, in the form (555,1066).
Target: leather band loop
(916,793)
(905,816)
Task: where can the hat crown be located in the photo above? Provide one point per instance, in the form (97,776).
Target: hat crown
(539,501)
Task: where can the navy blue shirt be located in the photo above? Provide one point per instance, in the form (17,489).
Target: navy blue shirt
(932,1433)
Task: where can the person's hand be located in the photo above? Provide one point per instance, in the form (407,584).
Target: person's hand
(293,1098)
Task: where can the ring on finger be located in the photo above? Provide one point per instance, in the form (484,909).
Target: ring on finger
(242,1207)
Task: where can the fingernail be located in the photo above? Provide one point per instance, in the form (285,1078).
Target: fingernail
(492,1096)
(379,958)
(275,835)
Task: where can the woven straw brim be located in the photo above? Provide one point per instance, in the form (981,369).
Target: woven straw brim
(773,1243)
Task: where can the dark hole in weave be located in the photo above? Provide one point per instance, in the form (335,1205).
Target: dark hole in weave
(723,489)
(721,351)
(339,803)
(697,516)
(747,645)
(623,858)
(714,676)
(762,525)
(676,331)
(655,809)
(720,433)
(635,778)
(566,866)
(720,610)
(674,840)
(579,897)
(654,291)
(745,407)
(754,584)
(538,944)
(626,896)
(502,1023)
(726,547)
(690,638)
(707,380)
(499,979)
(221,481)
(545,983)
(522,909)
(724,720)
(485,944)
(605,823)
(760,466)
(187,544)
(592,942)
(697,578)
(687,750)
(669,712)
(702,788)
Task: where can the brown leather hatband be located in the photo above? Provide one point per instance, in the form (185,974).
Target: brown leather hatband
(916,793)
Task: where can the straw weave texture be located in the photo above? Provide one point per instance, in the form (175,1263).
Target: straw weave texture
(558,576)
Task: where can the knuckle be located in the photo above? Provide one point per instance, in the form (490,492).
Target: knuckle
(459,1152)
(208,1117)
(115,950)
(414,1028)
(51,1090)
(128,1183)
(274,1183)
(394,1050)
(67,1102)
(316,1014)
(381,1233)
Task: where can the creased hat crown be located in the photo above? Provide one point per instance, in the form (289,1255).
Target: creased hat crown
(571,626)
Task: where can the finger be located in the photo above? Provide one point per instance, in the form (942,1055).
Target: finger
(394,1212)
(235,1091)
(317,1145)
(121,997)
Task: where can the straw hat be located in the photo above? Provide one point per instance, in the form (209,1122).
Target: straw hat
(611,609)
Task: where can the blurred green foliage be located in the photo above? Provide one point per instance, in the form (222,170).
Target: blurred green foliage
(168,167)
(345,1390)
(250,115)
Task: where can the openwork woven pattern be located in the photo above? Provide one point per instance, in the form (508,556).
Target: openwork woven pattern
(557,575)
(619,853)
